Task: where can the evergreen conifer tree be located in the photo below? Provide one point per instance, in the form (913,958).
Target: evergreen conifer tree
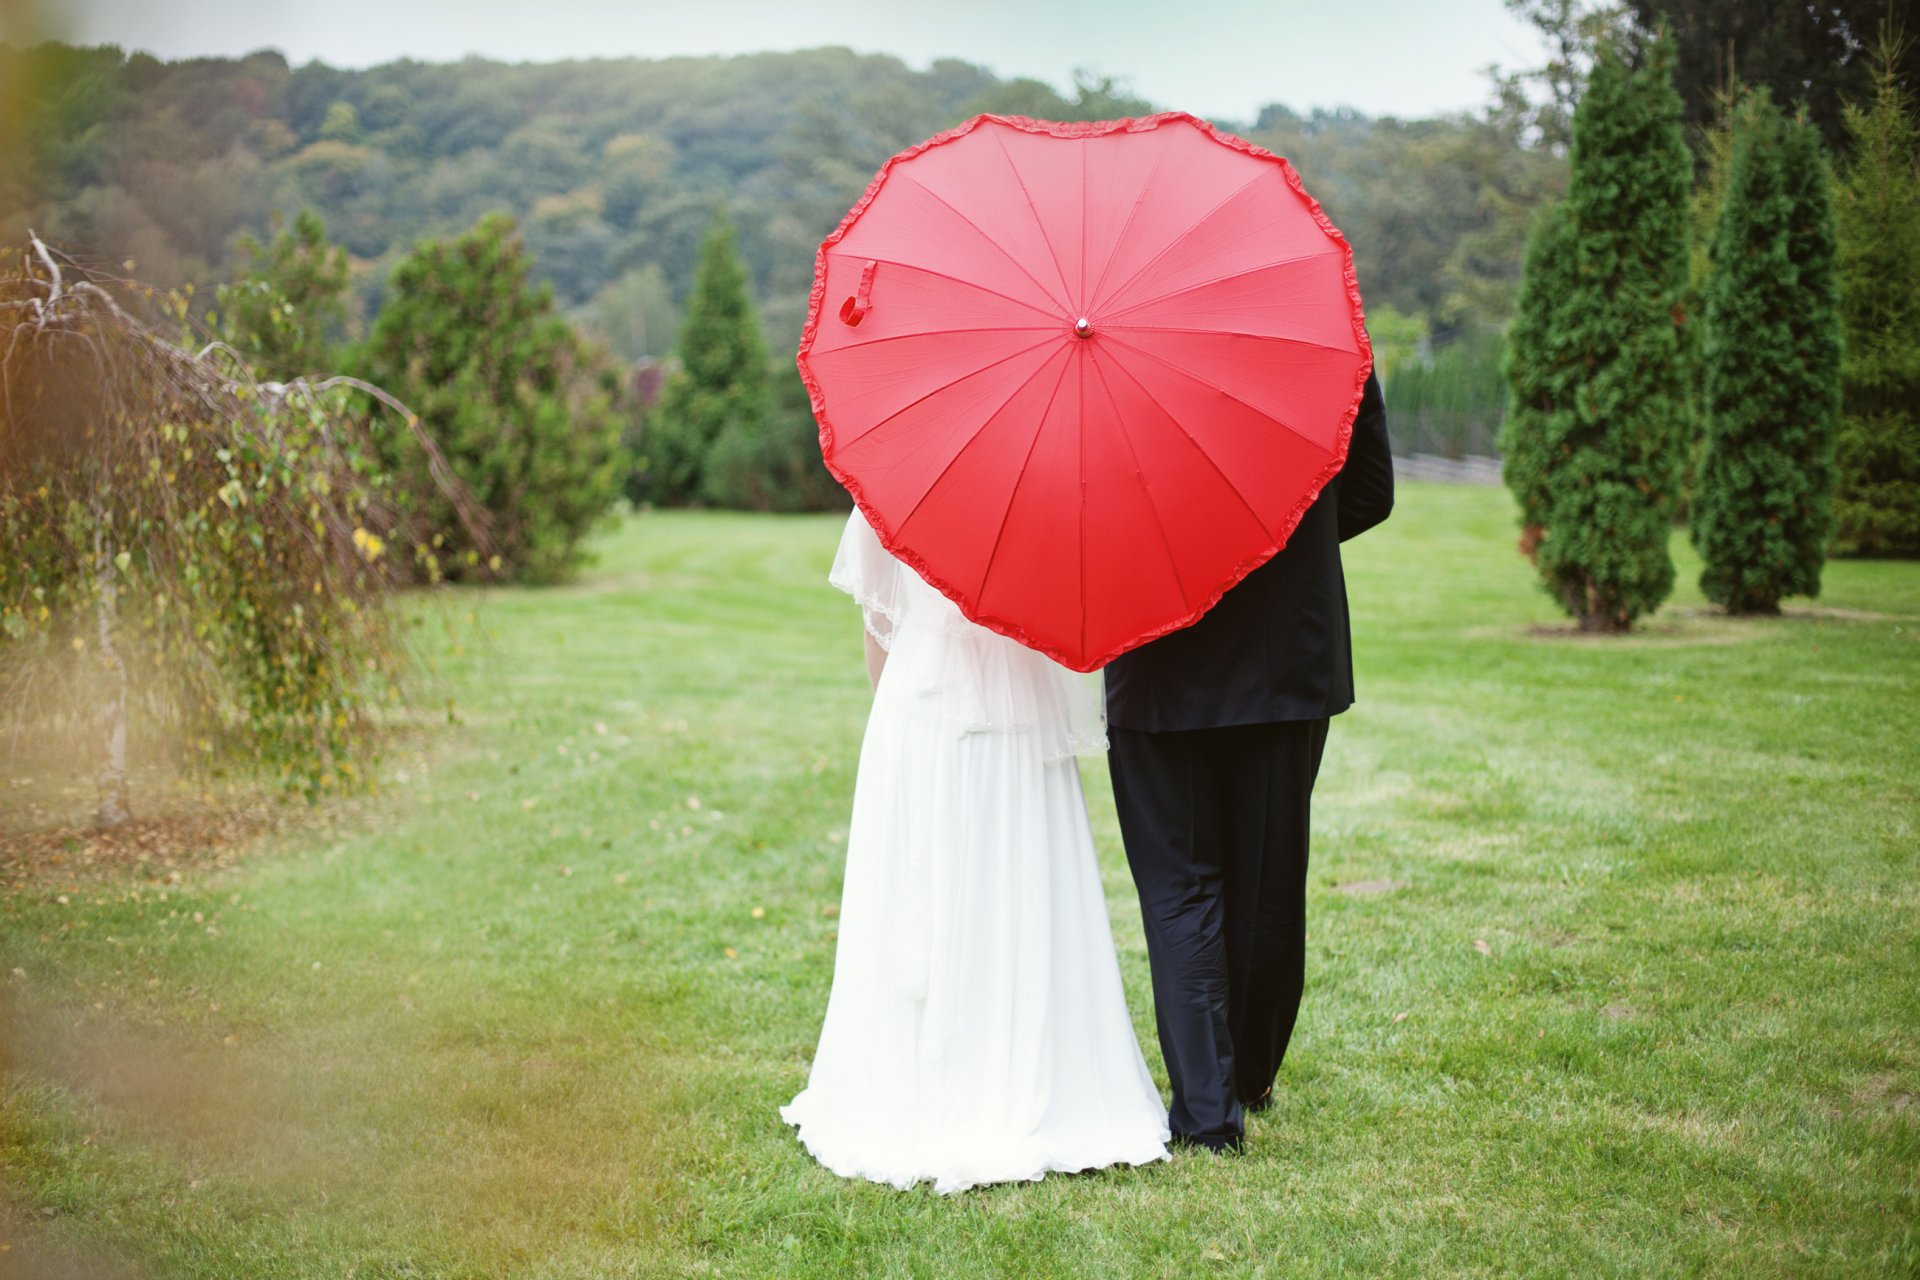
(1607,485)
(1814,377)
(508,390)
(718,399)
(1540,375)
(1877,485)
(1771,371)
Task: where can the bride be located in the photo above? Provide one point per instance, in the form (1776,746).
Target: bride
(976,1031)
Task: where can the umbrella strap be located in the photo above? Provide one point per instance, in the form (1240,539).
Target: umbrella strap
(855,309)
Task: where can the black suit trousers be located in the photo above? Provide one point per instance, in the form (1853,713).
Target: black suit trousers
(1215,823)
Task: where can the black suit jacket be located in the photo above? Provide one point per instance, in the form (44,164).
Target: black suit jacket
(1276,647)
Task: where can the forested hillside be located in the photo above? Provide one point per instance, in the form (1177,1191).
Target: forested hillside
(613,168)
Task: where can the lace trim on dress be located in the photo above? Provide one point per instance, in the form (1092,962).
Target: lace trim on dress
(870,607)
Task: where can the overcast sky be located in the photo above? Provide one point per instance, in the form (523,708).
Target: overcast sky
(1221,58)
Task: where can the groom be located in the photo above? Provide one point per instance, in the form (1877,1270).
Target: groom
(1216,732)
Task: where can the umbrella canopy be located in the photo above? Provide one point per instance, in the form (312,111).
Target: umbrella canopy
(1084,377)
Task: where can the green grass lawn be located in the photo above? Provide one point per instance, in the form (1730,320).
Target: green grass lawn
(1611,961)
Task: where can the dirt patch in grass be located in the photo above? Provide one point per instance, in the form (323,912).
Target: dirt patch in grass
(1687,627)
(1662,633)
(1367,888)
(155,848)
(1885,1091)
(29,1251)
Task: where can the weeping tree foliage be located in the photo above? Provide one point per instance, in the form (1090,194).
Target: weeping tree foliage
(1877,485)
(521,406)
(711,421)
(1771,370)
(1602,449)
(187,547)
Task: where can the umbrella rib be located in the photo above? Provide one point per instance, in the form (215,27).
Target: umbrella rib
(1198,447)
(1185,373)
(959,280)
(990,328)
(1120,237)
(1082,466)
(1222,333)
(1202,284)
(1083,243)
(1166,544)
(998,247)
(948,386)
(1000,532)
(1032,208)
(1197,223)
(926,493)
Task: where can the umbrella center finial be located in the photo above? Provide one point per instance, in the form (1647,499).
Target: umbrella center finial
(1083,327)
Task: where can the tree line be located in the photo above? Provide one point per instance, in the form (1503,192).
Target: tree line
(1648,380)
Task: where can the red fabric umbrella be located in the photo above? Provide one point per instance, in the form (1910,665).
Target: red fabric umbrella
(1084,377)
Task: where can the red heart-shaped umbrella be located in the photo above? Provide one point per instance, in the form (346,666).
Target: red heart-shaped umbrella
(1084,377)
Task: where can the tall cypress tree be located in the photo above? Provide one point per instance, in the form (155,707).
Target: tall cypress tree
(1540,376)
(1814,378)
(721,386)
(1745,483)
(1612,479)
(1877,485)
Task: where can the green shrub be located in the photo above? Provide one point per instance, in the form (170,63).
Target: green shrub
(520,406)
(780,469)
(1452,403)
(285,313)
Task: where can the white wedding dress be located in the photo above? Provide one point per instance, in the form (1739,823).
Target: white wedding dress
(977,1031)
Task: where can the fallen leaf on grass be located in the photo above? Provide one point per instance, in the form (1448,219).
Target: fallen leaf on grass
(732,954)
(1399,1017)
(1480,945)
